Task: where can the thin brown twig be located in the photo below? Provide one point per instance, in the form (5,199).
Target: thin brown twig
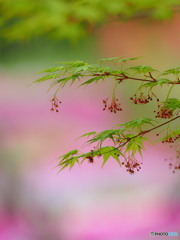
(125,77)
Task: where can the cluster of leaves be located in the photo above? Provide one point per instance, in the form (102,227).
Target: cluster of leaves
(172,103)
(69,72)
(23,19)
(127,140)
(122,141)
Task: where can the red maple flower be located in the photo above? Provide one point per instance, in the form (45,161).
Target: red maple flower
(114,106)
(55,104)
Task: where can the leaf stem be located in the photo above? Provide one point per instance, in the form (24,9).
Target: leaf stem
(169,92)
(114,89)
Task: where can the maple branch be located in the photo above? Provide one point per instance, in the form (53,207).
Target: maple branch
(125,77)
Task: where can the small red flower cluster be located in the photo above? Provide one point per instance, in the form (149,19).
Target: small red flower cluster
(131,164)
(114,107)
(55,104)
(163,112)
(171,139)
(175,161)
(175,166)
(141,99)
(90,157)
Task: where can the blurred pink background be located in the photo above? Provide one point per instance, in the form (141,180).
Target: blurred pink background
(88,202)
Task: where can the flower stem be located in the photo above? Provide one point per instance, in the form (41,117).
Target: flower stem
(170,89)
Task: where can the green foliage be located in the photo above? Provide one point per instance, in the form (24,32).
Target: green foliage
(137,124)
(135,145)
(53,69)
(122,141)
(72,157)
(108,134)
(69,72)
(94,79)
(116,60)
(87,134)
(142,69)
(68,159)
(172,103)
(47,77)
(160,81)
(24,19)
(126,140)
(174,71)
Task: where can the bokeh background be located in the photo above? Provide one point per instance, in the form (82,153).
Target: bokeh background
(88,202)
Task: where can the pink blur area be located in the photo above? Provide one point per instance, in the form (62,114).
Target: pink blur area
(88,202)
